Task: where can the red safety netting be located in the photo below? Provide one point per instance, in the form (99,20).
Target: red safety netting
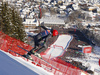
(57,67)
(3,42)
(44,64)
(63,66)
(24,46)
(4,45)
(8,43)
(17,47)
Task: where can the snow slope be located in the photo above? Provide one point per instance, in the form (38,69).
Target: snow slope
(59,46)
(63,40)
(11,65)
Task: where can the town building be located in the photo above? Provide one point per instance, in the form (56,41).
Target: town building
(52,21)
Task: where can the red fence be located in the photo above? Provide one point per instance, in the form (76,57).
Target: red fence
(18,48)
(7,42)
(68,69)
(57,68)
(58,46)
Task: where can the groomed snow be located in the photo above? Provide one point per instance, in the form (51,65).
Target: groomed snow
(11,65)
(59,46)
(63,40)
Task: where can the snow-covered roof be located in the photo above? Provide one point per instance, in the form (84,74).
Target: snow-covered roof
(52,20)
(63,7)
(75,6)
(47,14)
(46,3)
(91,8)
(32,13)
(30,21)
(97,28)
(22,16)
(19,1)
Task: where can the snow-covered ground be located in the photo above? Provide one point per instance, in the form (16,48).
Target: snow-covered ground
(59,46)
(63,40)
(91,60)
(11,65)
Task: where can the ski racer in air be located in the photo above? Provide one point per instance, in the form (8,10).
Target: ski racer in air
(41,38)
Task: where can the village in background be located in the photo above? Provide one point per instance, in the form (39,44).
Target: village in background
(75,20)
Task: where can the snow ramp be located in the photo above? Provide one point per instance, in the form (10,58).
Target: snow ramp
(58,47)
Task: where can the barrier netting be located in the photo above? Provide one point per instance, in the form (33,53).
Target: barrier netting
(8,43)
(19,48)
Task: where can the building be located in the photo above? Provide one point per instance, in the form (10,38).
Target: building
(30,24)
(52,21)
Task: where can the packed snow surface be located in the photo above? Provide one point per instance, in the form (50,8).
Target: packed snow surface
(63,40)
(59,46)
(11,65)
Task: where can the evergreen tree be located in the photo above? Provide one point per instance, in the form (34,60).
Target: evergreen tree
(18,27)
(11,22)
(6,19)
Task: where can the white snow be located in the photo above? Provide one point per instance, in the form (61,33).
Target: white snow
(59,46)
(91,60)
(52,20)
(63,40)
(54,52)
(11,65)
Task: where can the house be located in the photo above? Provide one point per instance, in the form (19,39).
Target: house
(30,24)
(63,7)
(75,6)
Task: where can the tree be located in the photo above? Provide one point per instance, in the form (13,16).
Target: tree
(11,22)
(17,27)
(5,23)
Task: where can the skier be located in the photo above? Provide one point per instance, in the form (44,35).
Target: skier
(41,38)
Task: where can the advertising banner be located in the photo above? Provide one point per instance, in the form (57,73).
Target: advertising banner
(87,49)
